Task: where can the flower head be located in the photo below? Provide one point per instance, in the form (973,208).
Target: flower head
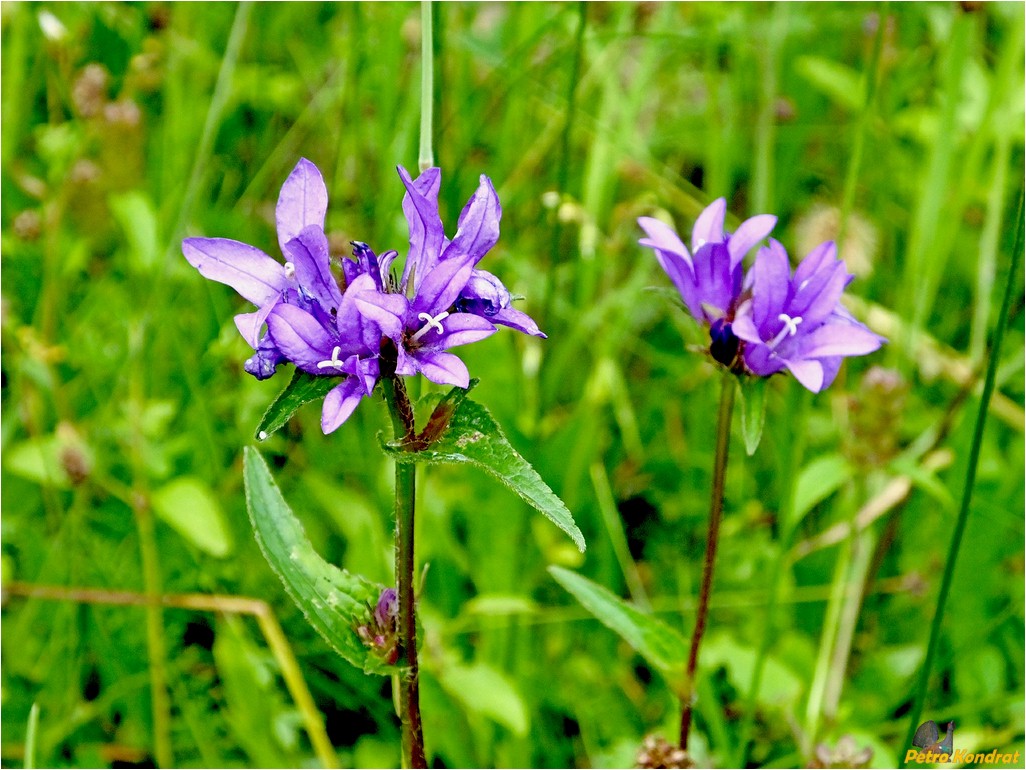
(309,320)
(709,276)
(797,322)
(380,633)
(442,299)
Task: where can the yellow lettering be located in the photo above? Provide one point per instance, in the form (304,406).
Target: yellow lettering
(910,755)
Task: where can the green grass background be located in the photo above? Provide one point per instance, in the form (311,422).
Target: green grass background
(125,407)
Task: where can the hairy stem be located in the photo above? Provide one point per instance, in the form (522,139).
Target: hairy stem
(715,516)
(405,495)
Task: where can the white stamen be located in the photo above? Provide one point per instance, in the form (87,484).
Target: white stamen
(430,322)
(334,362)
(790,329)
(290,270)
(262,435)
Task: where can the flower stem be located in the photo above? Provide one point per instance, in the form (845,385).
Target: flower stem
(970,480)
(405,496)
(715,516)
(427,87)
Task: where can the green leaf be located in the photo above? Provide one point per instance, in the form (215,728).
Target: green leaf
(753,410)
(256,710)
(137,216)
(841,83)
(190,507)
(302,388)
(656,642)
(472,436)
(483,690)
(817,481)
(334,601)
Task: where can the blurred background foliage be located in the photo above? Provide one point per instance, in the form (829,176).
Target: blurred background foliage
(127,126)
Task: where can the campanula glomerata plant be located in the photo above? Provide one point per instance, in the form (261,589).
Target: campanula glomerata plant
(760,323)
(349,337)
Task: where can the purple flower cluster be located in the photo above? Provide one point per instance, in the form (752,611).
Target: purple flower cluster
(369,324)
(380,633)
(768,320)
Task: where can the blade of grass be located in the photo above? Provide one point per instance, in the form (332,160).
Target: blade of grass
(871,77)
(924,263)
(1011,288)
(614,528)
(32,737)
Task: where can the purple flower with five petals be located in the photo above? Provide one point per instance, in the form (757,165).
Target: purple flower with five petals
(797,322)
(442,299)
(309,320)
(709,276)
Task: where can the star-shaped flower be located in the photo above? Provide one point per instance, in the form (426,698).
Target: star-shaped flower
(797,322)
(709,276)
(309,320)
(442,300)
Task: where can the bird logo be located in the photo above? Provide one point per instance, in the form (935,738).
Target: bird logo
(928,738)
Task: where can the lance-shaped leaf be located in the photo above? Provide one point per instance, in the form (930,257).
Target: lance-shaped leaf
(303,387)
(334,601)
(753,410)
(656,642)
(472,436)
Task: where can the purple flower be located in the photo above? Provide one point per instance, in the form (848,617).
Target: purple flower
(797,323)
(709,276)
(380,633)
(309,320)
(442,299)
(387,609)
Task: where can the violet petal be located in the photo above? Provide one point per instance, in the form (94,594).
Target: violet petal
(420,205)
(709,225)
(478,226)
(302,202)
(245,268)
(386,310)
(301,338)
(458,329)
(516,319)
(250,324)
(750,232)
(840,339)
(308,253)
(808,372)
(439,289)
(340,402)
(770,288)
(443,368)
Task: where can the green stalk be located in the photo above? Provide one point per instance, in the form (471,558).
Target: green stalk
(401,411)
(427,87)
(32,737)
(872,77)
(563,170)
(727,387)
(967,491)
(924,264)
(156,651)
(765,121)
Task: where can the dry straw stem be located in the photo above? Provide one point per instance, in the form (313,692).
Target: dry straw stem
(236,605)
(935,359)
(896,492)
